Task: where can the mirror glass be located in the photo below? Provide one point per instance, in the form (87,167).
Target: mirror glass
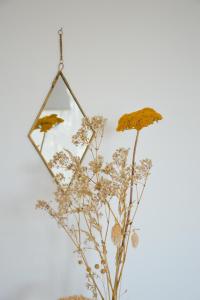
(59,119)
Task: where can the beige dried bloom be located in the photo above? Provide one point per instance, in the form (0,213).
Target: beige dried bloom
(109,169)
(81,138)
(96,164)
(83,135)
(80,186)
(41,204)
(60,178)
(89,127)
(106,189)
(142,170)
(63,200)
(120,157)
(97,123)
(60,159)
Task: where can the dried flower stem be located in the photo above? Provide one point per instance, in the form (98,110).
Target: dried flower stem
(127,223)
(81,252)
(104,256)
(129,232)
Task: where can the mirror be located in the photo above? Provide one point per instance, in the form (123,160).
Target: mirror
(58,120)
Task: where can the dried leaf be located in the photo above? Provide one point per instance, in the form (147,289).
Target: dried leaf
(116,235)
(135,239)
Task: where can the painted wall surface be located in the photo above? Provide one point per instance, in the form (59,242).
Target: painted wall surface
(119,56)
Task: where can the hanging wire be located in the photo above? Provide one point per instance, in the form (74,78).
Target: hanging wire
(61,62)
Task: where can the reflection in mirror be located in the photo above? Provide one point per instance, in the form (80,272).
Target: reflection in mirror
(59,119)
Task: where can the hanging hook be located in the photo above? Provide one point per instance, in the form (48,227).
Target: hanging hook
(61,63)
(60,31)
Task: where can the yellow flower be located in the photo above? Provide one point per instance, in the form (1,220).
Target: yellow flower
(138,119)
(47,122)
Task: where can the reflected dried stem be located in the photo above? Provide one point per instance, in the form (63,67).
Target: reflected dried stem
(42,144)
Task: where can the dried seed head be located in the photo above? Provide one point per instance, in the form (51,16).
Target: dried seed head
(88,269)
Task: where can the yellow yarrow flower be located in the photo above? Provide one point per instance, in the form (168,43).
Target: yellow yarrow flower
(47,122)
(138,119)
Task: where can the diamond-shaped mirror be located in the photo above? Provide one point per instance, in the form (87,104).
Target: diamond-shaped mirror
(58,120)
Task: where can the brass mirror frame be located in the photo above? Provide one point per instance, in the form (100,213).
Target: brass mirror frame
(59,74)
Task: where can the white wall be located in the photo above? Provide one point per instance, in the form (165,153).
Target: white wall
(119,56)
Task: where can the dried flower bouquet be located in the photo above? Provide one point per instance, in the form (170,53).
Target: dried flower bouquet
(101,202)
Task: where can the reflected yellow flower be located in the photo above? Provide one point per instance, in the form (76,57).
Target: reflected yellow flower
(138,119)
(47,122)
